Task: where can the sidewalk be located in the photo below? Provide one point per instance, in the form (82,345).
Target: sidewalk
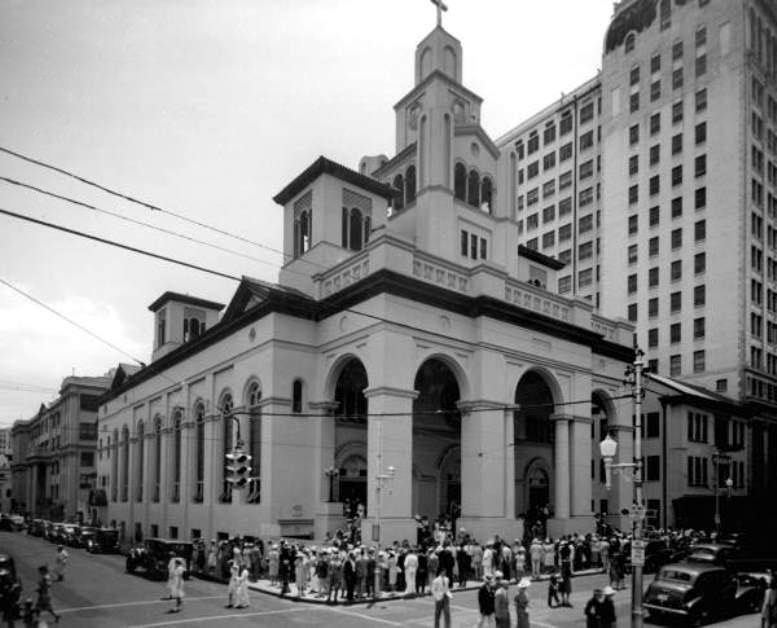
(264,586)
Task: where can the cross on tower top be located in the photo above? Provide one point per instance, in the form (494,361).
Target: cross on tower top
(441,6)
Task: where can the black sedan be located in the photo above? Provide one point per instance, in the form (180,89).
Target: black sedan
(154,556)
(694,592)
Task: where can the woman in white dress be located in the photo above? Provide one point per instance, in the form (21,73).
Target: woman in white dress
(242,600)
(234,577)
(176,585)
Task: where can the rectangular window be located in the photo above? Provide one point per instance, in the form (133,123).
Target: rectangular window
(653,468)
(634,102)
(548,239)
(699,361)
(532,196)
(653,277)
(677,112)
(701,100)
(699,263)
(549,161)
(565,180)
(565,152)
(634,76)
(632,254)
(653,307)
(586,113)
(698,327)
(653,246)
(473,248)
(565,256)
(677,143)
(700,198)
(586,197)
(564,284)
(655,123)
(633,194)
(465,243)
(585,224)
(633,165)
(654,186)
(585,250)
(674,333)
(632,312)
(586,140)
(534,142)
(587,169)
(631,283)
(655,63)
(677,51)
(585,278)
(533,169)
(701,133)
(633,134)
(548,214)
(655,90)
(701,36)
(633,224)
(701,65)
(655,154)
(654,216)
(677,207)
(700,295)
(565,233)
(564,207)
(701,165)
(566,122)
(549,135)
(676,270)
(677,238)
(653,337)
(675,302)
(548,188)
(483,248)
(675,366)
(677,78)
(677,176)
(700,230)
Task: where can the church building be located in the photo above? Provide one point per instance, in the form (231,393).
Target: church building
(412,357)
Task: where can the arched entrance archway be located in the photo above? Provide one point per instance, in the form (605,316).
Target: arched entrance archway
(350,427)
(533,433)
(436,441)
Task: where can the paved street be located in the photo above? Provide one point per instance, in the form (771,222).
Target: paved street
(97,593)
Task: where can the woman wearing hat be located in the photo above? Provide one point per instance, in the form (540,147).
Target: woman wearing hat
(501,602)
(608,608)
(522,603)
(176,584)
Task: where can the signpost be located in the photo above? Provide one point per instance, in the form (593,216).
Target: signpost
(638,552)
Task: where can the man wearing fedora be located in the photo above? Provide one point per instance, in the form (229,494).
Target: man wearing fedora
(501,602)
(522,603)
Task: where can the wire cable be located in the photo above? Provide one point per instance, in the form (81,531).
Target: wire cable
(86,330)
(118,244)
(137,201)
(176,234)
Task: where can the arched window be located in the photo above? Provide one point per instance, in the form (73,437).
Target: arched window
(460,182)
(486,194)
(367,229)
(304,232)
(410,185)
(399,195)
(473,188)
(139,476)
(356,230)
(176,457)
(115,467)
(253,398)
(199,453)
(630,42)
(228,443)
(296,396)
(345,223)
(125,453)
(157,457)
(192,328)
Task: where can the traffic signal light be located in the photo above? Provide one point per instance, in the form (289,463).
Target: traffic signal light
(238,468)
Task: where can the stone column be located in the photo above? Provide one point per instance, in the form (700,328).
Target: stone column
(580,468)
(561,473)
(328,515)
(509,466)
(390,444)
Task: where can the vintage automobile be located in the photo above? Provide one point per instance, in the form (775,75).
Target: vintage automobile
(7,564)
(85,534)
(751,588)
(694,592)
(103,541)
(68,534)
(153,556)
(36,527)
(711,553)
(657,554)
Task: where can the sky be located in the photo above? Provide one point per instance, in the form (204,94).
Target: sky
(208,109)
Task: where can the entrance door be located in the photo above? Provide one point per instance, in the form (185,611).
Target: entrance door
(539,489)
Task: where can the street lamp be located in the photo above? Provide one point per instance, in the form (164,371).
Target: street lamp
(381,482)
(608,448)
(331,472)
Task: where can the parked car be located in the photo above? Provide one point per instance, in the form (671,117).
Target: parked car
(154,555)
(695,592)
(657,554)
(104,541)
(37,527)
(711,553)
(7,564)
(68,534)
(85,534)
(751,588)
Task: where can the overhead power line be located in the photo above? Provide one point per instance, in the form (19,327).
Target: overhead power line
(84,329)
(176,234)
(137,201)
(126,247)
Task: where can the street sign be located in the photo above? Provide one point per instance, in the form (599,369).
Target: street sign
(638,553)
(637,512)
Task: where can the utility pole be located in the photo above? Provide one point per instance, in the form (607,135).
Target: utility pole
(636,571)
